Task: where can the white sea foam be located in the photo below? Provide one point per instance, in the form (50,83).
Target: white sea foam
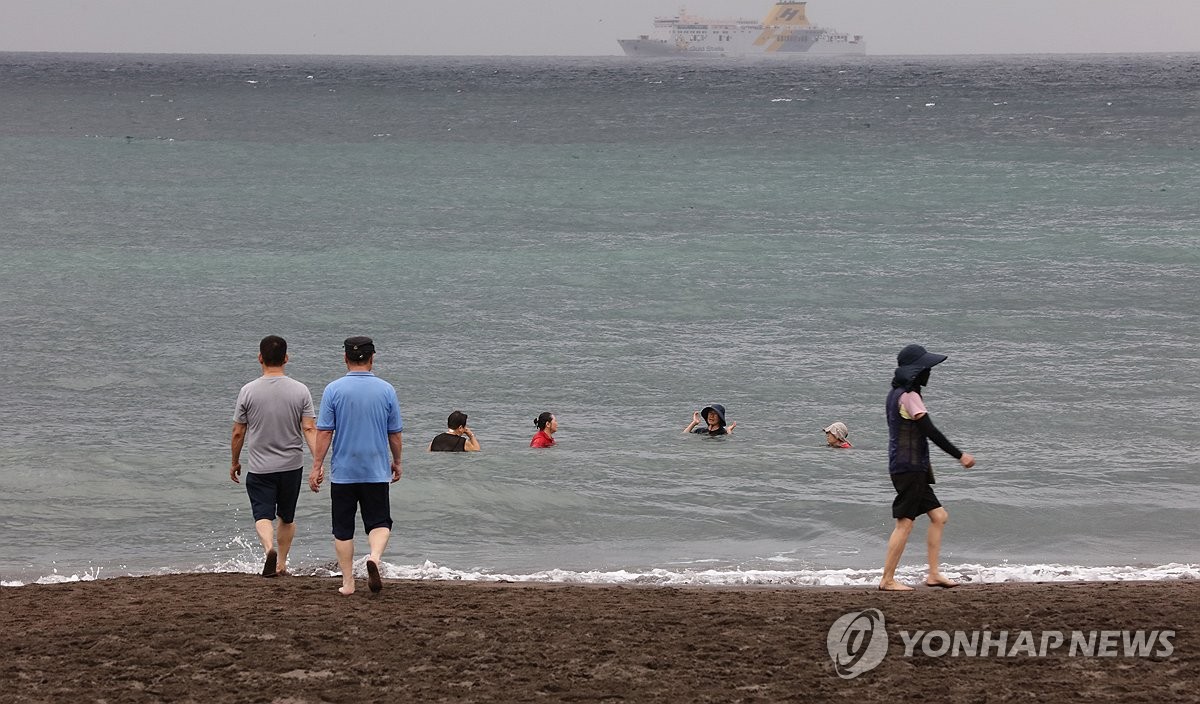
(56,578)
(966,573)
(969,573)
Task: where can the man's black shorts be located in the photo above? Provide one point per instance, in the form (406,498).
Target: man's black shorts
(276,492)
(373,498)
(914,495)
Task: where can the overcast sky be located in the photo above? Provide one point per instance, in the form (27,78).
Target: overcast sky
(578,27)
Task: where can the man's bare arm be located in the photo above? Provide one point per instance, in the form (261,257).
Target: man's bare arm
(309,427)
(317,475)
(235,444)
(396,443)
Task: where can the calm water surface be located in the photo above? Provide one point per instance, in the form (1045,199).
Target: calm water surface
(620,243)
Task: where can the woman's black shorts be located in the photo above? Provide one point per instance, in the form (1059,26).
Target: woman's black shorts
(914,495)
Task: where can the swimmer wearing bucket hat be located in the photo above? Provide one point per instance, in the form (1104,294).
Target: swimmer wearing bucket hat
(836,434)
(710,421)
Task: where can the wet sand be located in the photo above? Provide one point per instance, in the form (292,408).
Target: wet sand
(242,638)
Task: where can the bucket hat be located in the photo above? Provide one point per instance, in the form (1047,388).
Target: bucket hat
(720,410)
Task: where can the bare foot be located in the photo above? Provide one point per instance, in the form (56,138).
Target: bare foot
(374,583)
(940,582)
(268,569)
(346,591)
(894,586)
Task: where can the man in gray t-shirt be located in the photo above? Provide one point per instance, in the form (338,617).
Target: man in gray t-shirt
(273,419)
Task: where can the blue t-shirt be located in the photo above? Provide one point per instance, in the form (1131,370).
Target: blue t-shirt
(361,409)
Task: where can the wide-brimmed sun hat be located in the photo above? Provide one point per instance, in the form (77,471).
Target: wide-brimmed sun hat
(919,357)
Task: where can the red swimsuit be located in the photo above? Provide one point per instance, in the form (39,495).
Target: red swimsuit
(541,439)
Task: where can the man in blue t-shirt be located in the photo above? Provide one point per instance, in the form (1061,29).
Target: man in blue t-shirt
(360,418)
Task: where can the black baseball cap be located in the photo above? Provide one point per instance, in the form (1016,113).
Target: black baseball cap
(359,348)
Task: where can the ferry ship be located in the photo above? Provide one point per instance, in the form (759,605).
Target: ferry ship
(785,33)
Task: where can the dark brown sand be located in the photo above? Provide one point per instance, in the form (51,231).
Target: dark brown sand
(242,638)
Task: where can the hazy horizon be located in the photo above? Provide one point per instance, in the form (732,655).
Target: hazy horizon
(577,28)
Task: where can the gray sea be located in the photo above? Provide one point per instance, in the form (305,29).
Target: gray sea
(619,243)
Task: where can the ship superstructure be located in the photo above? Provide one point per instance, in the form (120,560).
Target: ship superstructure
(784,33)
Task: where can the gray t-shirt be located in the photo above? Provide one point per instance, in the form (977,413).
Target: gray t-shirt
(271,407)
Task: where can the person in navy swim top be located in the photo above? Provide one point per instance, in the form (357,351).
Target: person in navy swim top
(909,431)
(710,421)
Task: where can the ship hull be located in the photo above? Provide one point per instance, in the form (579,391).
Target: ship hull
(657,48)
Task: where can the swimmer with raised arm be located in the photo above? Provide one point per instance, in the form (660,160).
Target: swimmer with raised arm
(710,421)
(457,438)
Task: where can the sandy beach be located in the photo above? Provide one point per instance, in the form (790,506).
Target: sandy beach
(241,638)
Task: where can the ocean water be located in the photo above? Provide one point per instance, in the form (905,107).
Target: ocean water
(619,243)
